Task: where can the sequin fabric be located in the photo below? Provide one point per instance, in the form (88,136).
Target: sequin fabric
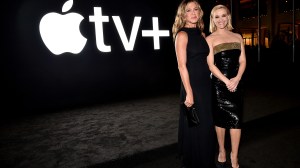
(227,106)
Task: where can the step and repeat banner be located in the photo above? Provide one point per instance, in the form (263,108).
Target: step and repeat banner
(65,53)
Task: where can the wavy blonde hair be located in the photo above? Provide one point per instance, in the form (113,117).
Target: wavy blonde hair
(180,17)
(212,26)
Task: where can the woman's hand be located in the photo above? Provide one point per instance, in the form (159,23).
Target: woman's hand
(189,100)
(232,84)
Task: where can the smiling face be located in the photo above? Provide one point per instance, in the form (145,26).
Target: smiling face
(220,18)
(192,14)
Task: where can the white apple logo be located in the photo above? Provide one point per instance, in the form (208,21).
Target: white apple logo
(61,33)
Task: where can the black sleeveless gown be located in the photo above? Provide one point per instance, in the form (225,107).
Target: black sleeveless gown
(197,144)
(227,106)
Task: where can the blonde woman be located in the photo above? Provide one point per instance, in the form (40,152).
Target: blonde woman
(196,144)
(227,63)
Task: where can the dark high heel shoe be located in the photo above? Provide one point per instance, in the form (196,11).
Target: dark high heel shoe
(221,164)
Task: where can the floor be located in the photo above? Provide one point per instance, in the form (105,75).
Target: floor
(143,133)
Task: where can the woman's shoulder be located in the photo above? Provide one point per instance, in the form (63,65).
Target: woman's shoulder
(211,37)
(181,36)
(181,33)
(237,35)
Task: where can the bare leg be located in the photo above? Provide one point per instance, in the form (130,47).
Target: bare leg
(235,136)
(221,141)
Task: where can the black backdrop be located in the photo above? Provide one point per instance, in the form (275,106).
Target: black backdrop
(35,80)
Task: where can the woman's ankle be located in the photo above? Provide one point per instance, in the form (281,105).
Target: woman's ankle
(222,156)
(234,160)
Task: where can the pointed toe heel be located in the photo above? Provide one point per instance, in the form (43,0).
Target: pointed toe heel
(221,164)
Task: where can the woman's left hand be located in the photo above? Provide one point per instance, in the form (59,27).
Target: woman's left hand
(232,85)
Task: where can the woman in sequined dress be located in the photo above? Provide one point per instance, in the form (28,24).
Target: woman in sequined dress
(227,63)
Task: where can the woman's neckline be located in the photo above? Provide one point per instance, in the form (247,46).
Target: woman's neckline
(190,27)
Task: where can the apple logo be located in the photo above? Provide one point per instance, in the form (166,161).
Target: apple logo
(61,33)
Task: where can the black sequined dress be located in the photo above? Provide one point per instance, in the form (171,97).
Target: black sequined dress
(227,106)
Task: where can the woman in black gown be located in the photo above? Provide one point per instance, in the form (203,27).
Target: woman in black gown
(196,144)
(227,62)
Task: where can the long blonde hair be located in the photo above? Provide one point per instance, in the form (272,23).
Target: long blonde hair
(212,26)
(180,17)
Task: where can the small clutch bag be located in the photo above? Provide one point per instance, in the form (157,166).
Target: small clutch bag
(191,115)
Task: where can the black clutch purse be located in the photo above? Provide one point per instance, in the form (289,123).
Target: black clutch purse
(191,115)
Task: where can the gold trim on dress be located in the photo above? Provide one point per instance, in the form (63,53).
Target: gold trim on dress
(226,46)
